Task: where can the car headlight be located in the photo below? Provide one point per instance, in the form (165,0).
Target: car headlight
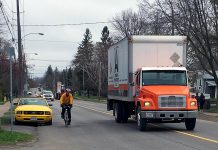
(19,112)
(47,113)
(147,104)
(193,103)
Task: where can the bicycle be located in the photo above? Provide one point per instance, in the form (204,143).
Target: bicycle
(66,118)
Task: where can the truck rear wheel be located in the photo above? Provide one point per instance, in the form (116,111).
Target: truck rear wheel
(190,123)
(141,122)
(125,115)
(118,112)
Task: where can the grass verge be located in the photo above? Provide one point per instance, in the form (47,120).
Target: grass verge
(1,102)
(6,118)
(212,110)
(92,99)
(11,138)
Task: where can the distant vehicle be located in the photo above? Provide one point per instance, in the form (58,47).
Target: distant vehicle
(147,78)
(58,90)
(33,110)
(29,93)
(48,95)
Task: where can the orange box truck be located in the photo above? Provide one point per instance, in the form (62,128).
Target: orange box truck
(147,79)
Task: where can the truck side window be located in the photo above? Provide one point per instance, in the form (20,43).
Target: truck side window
(138,79)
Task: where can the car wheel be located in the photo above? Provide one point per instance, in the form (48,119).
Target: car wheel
(16,122)
(190,123)
(49,123)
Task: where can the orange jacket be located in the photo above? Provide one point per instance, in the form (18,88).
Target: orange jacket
(66,100)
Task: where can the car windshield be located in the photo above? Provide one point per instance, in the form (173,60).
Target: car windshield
(47,92)
(164,77)
(33,102)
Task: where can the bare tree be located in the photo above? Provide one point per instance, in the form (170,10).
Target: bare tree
(128,23)
(198,21)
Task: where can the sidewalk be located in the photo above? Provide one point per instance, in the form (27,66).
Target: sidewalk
(4,108)
(211,114)
(208,116)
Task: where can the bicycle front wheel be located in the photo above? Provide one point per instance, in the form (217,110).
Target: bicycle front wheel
(66,118)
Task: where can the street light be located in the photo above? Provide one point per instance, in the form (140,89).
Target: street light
(21,65)
(26,72)
(32,53)
(31,34)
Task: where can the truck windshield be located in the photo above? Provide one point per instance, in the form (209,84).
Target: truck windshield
(164,77)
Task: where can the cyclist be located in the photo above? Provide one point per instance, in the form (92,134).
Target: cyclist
(66,100)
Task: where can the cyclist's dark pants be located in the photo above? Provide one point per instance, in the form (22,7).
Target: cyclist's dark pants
(69,112)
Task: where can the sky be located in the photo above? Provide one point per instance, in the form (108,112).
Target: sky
(58,45)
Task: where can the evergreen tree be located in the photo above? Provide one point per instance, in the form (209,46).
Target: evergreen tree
(85,51)
(102,56)
(84,59)
(49,78)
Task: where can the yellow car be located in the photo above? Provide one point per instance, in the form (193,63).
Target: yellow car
(33,110)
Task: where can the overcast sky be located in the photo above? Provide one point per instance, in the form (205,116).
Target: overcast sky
(67,37)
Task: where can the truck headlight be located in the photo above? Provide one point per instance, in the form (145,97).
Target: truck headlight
(147,104)
(193,103)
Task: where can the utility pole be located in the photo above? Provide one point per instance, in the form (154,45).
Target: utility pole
(20,55)
(10,51)
(83,80)
(66,78)
(99,82)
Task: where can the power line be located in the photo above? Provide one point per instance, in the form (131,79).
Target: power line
(51,41)
(7,5)
(50,60)
(52,66)
(36,73)
(70,24)
(6,20)
(6,15)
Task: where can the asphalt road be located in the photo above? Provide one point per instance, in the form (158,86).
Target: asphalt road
(93,128)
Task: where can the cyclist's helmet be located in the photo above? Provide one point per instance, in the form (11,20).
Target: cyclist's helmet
(68,90)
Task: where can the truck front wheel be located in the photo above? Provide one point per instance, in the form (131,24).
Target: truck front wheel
(118,112)
(190,123)
(141,122)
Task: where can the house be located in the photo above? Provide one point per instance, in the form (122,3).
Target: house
(205,84)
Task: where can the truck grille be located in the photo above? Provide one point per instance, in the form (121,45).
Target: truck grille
(34,112)
(172,101)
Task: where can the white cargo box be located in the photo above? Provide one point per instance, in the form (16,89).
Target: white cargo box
(135,52)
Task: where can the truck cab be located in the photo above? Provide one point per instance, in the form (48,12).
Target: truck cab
(162,95)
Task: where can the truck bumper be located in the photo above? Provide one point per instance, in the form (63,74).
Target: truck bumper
(169,114)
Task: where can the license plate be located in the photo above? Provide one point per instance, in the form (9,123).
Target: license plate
(149,115)
(33,119)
